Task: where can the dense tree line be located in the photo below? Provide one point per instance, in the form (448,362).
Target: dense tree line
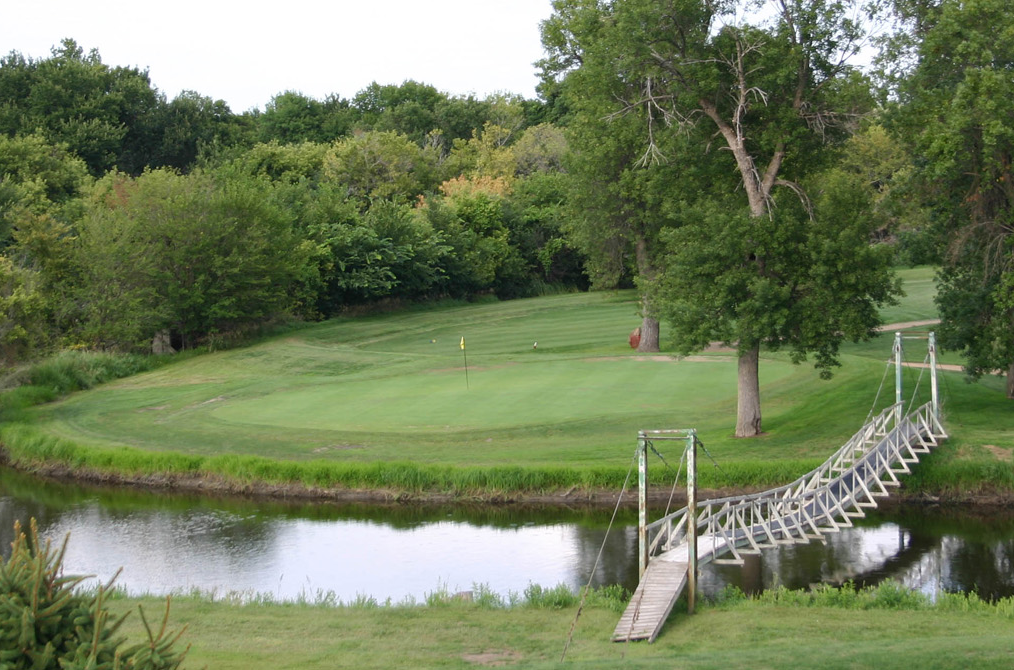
(126,217)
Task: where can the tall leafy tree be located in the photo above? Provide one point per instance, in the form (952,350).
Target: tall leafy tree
(23,322)
(197,255)
(184,127)
(616,206)
(75,99)
(771,94)
(291,118)
(409,108)
(954,106)
(380,165)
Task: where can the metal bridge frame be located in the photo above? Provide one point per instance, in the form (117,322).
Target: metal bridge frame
(821,501)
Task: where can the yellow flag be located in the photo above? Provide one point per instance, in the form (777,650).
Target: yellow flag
(462,342)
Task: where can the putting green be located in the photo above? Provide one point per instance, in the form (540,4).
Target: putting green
(498,397)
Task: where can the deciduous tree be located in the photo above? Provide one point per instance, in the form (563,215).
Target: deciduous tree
(954,106)
(771,94)
(193,254)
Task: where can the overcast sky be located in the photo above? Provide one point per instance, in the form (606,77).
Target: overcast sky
(246,52)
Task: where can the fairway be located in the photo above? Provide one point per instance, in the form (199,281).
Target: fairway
(549,382)
(394,387)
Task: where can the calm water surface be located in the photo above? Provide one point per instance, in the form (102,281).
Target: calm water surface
(173,543)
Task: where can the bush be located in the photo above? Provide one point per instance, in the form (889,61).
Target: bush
(71,370)
(46,622)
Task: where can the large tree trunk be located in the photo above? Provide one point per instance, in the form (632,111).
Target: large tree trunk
(649,335)
(649,324)
(1010,381)
(748,412)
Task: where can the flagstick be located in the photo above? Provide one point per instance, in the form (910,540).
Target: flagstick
(464,354)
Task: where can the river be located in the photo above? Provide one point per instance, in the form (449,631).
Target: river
(171,543)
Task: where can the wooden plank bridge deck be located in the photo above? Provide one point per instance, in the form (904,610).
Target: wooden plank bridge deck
(821,501)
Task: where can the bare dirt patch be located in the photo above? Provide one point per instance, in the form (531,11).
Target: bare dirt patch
(709,359)
(942,366)
(664,358)
(1005,455)
(337,447)
(492,658)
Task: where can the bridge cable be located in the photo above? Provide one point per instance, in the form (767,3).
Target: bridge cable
(883,380)
(675,483)
(915,389)
(595,566)
(651,445)
(710,457)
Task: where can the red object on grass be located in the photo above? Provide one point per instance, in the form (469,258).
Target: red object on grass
(635,338)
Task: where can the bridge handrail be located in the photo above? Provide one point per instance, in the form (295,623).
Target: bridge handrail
(881,419)
(863,451)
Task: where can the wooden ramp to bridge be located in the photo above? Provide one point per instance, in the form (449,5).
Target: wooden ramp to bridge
(821,501)
(659,589)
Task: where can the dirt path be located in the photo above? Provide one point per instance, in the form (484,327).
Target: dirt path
(907,324)
(915,324)
(719,348)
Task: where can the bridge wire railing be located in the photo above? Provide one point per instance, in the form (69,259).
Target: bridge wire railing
(823,500)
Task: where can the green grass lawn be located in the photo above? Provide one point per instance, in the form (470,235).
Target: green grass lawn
(748,634)
(392,388)
(917,304)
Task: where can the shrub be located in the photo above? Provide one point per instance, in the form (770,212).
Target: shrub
(558,597)
(74,370)
(46,622)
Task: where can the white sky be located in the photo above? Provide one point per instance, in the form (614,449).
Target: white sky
(247,52)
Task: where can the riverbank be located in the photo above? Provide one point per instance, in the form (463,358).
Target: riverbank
(658,497)
(831,628)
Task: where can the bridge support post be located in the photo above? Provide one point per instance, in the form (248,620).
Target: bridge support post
(934,392)
(691,520)
(897,379)
(642,504)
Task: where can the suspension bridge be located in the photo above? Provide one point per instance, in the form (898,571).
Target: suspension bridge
(825,500)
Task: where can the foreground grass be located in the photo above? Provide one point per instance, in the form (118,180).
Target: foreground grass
(382,402)
(885,628)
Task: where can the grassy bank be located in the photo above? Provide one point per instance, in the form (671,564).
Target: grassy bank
(886,627)
(551,400)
